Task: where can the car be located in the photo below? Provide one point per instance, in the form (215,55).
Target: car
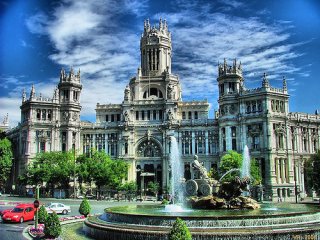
(20,213)
(2,212)
(58,208)
(90,196)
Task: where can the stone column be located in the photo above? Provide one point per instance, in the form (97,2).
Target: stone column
(106,143)
(283,169)
(276,169)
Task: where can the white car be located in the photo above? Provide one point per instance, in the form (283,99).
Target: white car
(58,208)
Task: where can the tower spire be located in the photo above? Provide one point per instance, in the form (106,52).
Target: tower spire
(32,93)
(284,84)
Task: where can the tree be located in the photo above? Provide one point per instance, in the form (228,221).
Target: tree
(85,207)
(233,160)
(154,187)
(230,160)
(179,231)
(52,227)
(42,214)
(312,168)
(5,160)
(107,172)
(51,167)
(130,188)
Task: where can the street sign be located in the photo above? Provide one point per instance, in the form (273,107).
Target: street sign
(36,203)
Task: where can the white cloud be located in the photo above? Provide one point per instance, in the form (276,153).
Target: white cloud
(90,36)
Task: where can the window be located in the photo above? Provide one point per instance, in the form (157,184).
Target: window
(44,114)
(42,146)
(137,115)
(154,114)
(49,115)
(126,148)
(183,115)
(38,114)
(107,118)
(112,118)
(189,115)
(142,115)
(118,117)
(148,115)
(256,142)
(160,114)
(75,95)
(195,115)
(66,94)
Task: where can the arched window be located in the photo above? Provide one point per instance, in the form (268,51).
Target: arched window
(149,148)
(152,92)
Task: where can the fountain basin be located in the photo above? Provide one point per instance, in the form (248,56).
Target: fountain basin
(272,221)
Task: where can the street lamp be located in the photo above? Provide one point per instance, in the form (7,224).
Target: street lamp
(74,171)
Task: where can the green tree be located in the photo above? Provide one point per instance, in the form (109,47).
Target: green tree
(52,227)
(42,214)
(153,187)
(85,207)
(107,172)
(232,160)
(179,231)
(255,172)
(5,161)
(52,167)
(312,168)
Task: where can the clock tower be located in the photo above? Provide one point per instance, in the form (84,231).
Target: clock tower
(155,47)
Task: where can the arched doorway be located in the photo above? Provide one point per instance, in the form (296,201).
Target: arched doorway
(149,163)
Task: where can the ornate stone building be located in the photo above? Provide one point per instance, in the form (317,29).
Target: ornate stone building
(138,130)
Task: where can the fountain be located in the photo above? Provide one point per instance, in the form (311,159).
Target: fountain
(176,191)
(153,222)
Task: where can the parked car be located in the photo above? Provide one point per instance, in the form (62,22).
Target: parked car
(90,196)
(58,208)
(20,213)
(2,212)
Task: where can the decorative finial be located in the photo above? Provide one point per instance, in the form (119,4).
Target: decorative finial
(265,82)
(160,24)
(62,75)
(33,92)
(24,95)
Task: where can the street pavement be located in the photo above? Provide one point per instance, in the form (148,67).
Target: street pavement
(9,231)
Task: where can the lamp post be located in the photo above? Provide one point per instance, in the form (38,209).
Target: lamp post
(36,205)
(295,180)
(74,171)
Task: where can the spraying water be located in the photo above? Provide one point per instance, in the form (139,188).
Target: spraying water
(245,168)
(177,172)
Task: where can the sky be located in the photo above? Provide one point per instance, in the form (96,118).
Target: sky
(102,38)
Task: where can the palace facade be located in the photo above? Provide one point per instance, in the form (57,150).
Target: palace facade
(138,130)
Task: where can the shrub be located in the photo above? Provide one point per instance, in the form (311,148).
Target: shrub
(84,208)
(52,227)
(179,231)
(42,214)
(165,202)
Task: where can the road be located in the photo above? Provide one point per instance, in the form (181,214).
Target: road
(9,231)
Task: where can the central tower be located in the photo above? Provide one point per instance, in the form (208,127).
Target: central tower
(155,47)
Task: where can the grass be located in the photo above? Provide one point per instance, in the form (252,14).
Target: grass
(73,231)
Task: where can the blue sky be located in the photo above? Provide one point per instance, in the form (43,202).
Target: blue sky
(38,38)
